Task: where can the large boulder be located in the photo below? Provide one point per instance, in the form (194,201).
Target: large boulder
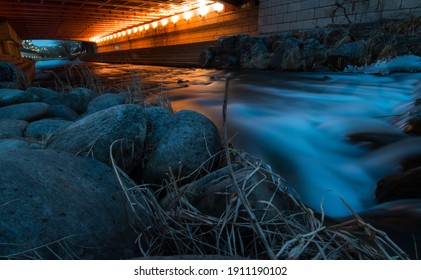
(78,99)
(14,96)
(94,134)
(184,142)
(44,128)
(12,128)
(24,111)
(57,205)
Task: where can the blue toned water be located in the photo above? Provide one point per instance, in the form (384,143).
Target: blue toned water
(298,123)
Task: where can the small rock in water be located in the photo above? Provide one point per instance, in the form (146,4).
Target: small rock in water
(406,185)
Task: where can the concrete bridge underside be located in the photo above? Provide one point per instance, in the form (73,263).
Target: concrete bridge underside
(157,32)
(87,19)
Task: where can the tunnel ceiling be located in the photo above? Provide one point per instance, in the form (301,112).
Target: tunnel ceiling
(83,20)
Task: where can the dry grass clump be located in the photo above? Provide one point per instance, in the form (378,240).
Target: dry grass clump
(410,25)
(77,75)
(299,233)
(181,229)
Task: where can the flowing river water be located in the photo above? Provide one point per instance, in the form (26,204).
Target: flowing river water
(298,123)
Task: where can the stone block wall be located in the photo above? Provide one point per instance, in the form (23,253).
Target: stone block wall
(286,15)
(197,29)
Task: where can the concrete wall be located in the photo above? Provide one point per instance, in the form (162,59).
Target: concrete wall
(286,15)
(197,29)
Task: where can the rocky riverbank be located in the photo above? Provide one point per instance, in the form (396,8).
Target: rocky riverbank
(332,48)
(88,176)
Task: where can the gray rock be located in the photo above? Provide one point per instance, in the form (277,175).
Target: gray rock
(105,101)
(42,93)
(12,85)
(24,111)
(94,134)
(354,53)
(44,128)
(225,61)
(404,185)
(287,55)
(12,128)
(206,57)
(14,96)
(157,118)
(258,57)
(57,205)
(8,72)
(191,139)
(62,112)
(77,100)
(212,196)
(314,54)
(14,144)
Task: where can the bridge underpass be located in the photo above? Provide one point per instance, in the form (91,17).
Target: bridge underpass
(174,32)
(137,31)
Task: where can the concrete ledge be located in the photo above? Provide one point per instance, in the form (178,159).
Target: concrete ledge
(186,55)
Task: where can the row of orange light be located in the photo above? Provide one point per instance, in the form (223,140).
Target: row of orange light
(202,11)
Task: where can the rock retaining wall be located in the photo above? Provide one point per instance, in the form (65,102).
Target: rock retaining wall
(331,48)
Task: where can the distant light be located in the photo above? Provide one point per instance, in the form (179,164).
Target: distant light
(203,11)
(155,24)
(218,7)
(146,27)
(135,29)
(188,15)
(140,28)
(129,31)
(175,18)
(123,33)
(164,21)
(119,34)
(115,35)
